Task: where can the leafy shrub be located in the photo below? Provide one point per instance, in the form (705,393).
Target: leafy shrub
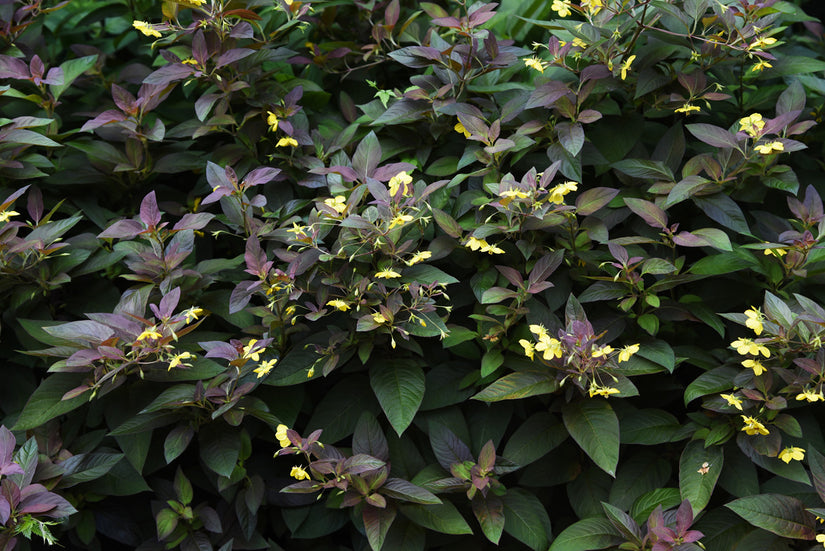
(409,249)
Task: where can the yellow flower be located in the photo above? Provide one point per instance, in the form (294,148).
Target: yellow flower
(627,351)
(529,349)
(535,63)
(6,214)
(760,66)
(265,367)
(606,391)
(778,253)
(768,148)
(299,473)
(340,304)
(792,453)
(603,351)
(339,203)
(810,395)
(151,333)
(280,434)
(762,43)
(475,244)
(539,331)
(387,274)
(688,108)
(752,124)
(272,121)
(192,313)
(733,401)
(190,61)
(753,426)
(379,318)
(249,353)
(509,194)
(747,346)
(592,6)
(196,3)
(400,220)
(311,372)
(177,360)
(401,179)
(558,192)
(288,141)
(756,365)
(461,130)
(754,320)
(146,29)
(626,66)
(821,538)
(549,346)
(562,7)
(418,257)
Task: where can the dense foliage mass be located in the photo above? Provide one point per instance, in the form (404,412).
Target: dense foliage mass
(541,275)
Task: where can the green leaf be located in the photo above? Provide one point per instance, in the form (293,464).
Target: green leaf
(711,382)
(377,523)
(593,199)
(526,519)
(443,518)
(646,503)
(404,536)
(491,361)
(817,463)
(783,515)
(660,352)
(166,522)
(403,490)
(595,428)
(520,384)
(539,434)
(648,427)
(624,523)
(426,274)
(176,442)
(338,411)
(220,447)
(723,209)
(693,485)
(85,467)
(399,388)
(586,535)
(72,69)
(47,402)
(644,169)
(136,447)
(489,512)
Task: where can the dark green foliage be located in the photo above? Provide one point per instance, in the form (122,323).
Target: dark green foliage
(540,275)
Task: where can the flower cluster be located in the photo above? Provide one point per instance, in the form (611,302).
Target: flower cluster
(576,355)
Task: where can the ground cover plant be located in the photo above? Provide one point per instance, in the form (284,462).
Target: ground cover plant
(412,275)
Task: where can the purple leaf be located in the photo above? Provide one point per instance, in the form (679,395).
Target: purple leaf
(346,172)
(170,73)
(218,349)
(7,443)
(5,510)
(124,99)
(107,117)
(261,175)
(384,173)
(11,67)
(648,211)
(713,135)
(193,221)
(199,50)
(83,358)
(149,211)
(169,302)
(233,55)
(122,229)
(545,95)
(241,294)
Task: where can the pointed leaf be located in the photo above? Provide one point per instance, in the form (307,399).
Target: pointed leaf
(399,388)
(693,485)
(595,428)
(783,515)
